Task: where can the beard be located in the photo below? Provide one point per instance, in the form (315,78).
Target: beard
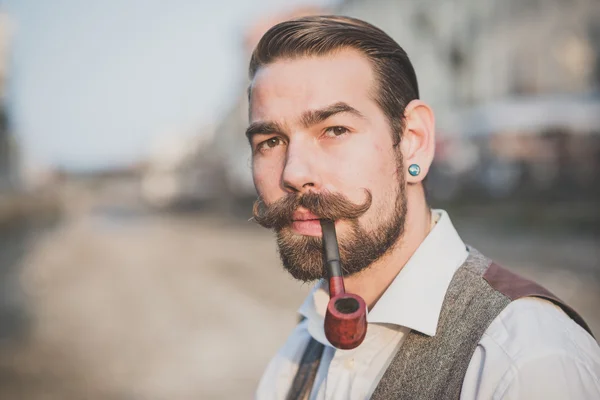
(302,256)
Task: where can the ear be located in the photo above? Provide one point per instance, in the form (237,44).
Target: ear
(418,139)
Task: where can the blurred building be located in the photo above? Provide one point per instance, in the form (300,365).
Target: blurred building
(25,193)
(8,148)
(182,169)
(474,51)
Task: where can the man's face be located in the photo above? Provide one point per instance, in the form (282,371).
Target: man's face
(321,146)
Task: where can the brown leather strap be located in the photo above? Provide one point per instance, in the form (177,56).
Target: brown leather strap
(516,287)
(307,371)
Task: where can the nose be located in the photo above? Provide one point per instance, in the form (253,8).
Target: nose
(300,172)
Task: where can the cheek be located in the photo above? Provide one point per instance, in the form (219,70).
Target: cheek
(383,182)
(370,166)
(380,177)
(267,177)
(385,162)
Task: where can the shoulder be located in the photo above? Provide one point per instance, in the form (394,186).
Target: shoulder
(534,346)
(532,327)
(281,369)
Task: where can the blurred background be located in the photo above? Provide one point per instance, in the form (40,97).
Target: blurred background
(128,267)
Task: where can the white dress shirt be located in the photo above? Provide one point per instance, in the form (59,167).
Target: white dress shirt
(532,350)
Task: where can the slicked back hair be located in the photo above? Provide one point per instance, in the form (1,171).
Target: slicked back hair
(322,35)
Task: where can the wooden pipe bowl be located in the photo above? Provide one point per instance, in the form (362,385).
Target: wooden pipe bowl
(346,321)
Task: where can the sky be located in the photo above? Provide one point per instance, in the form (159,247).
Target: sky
(91,83)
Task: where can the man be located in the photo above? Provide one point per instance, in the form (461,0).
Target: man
(337,131)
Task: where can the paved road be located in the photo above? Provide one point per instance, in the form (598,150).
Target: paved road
(127,305)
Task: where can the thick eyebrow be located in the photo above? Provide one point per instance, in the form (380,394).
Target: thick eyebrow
(264,128)
(313,117)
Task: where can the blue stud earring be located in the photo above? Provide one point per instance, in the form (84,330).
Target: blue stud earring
(414,169)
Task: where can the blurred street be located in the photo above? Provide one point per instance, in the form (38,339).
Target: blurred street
(118,302)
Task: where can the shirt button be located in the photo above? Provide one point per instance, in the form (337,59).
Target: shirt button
(349,363)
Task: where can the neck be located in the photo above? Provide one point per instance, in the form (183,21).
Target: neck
(371,283)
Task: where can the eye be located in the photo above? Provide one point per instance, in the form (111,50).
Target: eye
(269,144)
(335,131)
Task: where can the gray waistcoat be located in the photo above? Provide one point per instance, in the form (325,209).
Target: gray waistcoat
(434,367)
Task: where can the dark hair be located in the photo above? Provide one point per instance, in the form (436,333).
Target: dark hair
(321,35)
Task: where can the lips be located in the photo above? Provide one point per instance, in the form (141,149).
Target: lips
(306,223)
(301,215)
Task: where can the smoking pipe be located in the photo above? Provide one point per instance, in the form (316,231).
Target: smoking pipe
(346,316)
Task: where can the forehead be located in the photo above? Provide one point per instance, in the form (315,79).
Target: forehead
(287,87)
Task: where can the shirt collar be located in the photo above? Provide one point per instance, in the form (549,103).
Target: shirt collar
(414,298)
